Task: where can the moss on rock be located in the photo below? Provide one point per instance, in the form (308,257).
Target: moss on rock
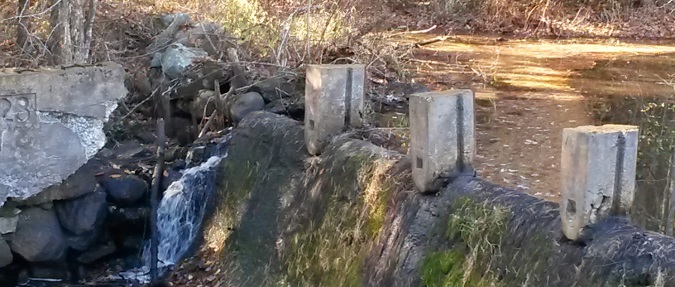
(474,232)
(331,250)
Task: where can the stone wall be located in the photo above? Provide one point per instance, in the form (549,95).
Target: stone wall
(351,217)
(59,193)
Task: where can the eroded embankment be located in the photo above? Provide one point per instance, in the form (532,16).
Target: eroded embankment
(351,218)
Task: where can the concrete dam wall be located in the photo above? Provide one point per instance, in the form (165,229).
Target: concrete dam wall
(352,217)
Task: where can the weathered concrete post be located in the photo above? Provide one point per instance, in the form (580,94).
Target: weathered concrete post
(442,141)
(333,102)
(597,174)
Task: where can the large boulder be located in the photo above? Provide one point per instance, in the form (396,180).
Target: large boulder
(83,181)
(278,87)
(84,214)
(6,256)
(9,218)
(124,189)
(246,104)
(38,236)
(52,123)
(177,58)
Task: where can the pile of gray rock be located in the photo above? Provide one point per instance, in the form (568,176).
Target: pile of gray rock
(68,198)
(53,201)
(188,57)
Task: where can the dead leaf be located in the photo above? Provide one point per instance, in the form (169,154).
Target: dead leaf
(115,175)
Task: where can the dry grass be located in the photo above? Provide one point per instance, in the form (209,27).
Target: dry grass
(528,18)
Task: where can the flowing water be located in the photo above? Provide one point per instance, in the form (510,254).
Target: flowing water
(180,214)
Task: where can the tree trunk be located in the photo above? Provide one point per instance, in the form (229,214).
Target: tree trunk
(60,41)
(72,31)
(22,26)
(669,200)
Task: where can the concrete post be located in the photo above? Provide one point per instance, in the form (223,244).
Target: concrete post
(333,102)
(442,142)
(597,174)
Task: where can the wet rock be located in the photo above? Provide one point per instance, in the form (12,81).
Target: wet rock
(169,177)
(38,236)
(50,138)
(96,253)
(6,256)
(84,214)
(83,181)
(246,104)
(196,155)
(124,189)
(177,58)
(131,217)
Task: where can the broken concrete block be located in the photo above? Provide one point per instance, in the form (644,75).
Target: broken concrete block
(333,102)
(51,123)
(442,141)
(597,174)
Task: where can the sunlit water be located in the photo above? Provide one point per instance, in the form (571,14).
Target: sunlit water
(528,91)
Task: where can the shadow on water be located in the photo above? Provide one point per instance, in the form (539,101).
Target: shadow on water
(640,90)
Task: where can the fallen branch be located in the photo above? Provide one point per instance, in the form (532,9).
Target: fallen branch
(416,32)
(431,41)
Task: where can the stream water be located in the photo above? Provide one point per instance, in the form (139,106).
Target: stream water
(180,214)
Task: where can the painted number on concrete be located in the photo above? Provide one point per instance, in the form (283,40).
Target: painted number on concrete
(16,111)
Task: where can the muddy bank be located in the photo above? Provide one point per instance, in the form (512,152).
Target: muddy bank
(351,217)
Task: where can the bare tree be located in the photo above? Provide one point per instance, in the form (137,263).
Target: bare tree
(22,26)
(70,42)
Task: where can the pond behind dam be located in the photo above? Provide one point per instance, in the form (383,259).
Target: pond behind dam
(528,91)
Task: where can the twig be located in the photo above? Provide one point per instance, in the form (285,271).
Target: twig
(430,41)
(213,114)
(156,181)
(416,32)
